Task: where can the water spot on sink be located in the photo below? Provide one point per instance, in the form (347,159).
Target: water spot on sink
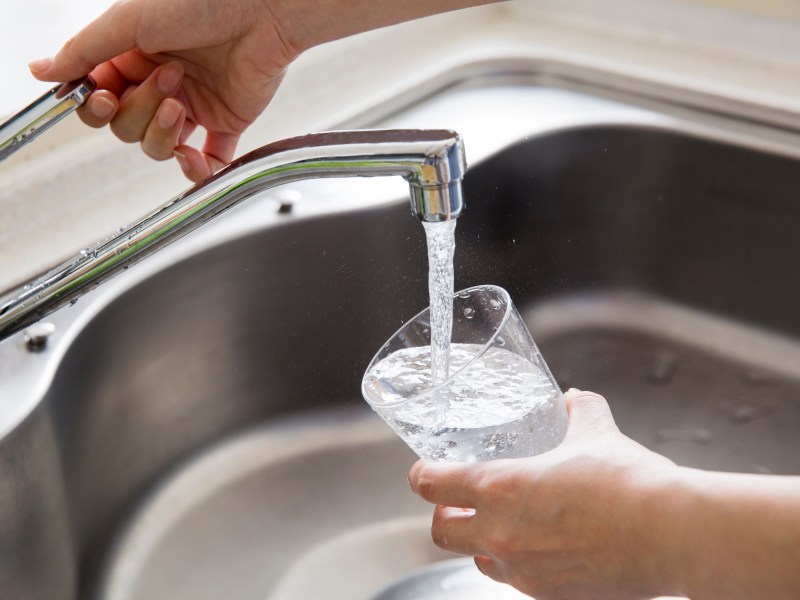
(755,378)
(663,368)
(698,435)
(743,414)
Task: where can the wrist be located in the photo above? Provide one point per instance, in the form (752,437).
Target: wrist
(663,518)
(308,23)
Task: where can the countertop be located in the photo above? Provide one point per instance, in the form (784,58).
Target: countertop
(76,185)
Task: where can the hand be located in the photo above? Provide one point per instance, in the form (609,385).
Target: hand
(164,68)
(576,522)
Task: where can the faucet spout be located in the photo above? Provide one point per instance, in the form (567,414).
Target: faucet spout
(432,161)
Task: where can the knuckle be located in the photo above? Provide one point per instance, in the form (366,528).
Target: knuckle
(124,132)
(438,534)
(587,398)
(425,483)
(159,154)
(73,49)
(500,544)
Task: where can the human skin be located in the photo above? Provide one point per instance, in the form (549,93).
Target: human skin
(601,517)
(166,67)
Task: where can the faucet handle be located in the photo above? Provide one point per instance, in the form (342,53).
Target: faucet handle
(43,113)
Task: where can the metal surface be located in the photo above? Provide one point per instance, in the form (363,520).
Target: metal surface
(194,430)
(456,579)
(432,161)
(43,113)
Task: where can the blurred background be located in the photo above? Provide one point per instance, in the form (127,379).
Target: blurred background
(31,29)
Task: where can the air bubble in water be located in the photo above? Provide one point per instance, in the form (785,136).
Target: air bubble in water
(495,304)
(469,312)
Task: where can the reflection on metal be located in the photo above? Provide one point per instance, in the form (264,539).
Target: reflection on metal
(43,113)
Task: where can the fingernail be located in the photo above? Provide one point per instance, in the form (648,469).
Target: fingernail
(40,66)
(169,77)
(184,164)
(101,107)
(168,114)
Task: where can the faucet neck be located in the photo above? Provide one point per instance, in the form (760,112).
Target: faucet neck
(432,161)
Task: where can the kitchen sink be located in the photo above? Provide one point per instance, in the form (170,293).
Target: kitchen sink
(194,429)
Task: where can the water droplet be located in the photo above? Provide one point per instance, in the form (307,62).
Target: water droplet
(744,413)
(121,229)
(500,341)
(85,251)
(27,286)
(495,304)
(663,368)
(754,378)
(698,436)
(73,302)
(469,312)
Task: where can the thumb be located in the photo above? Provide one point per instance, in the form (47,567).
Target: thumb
(589,415)
(111,34)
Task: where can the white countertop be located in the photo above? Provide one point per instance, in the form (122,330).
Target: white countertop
(75,185)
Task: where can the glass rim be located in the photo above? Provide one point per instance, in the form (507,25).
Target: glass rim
(451,376)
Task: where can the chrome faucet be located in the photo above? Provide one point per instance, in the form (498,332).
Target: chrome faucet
(432,161)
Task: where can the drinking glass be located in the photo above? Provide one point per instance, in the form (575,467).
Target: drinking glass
(499,399)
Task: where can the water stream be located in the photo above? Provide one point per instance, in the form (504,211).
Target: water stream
(441,248)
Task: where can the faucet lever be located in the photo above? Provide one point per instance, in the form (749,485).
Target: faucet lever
(41,114)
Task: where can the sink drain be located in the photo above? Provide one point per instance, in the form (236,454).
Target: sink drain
(457,579)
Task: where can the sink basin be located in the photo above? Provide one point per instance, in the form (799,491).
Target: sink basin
(194,428)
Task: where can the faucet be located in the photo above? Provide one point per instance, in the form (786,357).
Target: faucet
(431,161)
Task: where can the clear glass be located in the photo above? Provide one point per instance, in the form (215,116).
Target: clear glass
(500,400)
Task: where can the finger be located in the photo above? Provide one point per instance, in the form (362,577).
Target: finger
(99,109)
(111,34)
(192,162)
(134,66)
(188,130)
(164,130)
(217,152)
(219,148)
(589,414)
(449,484)
(108,77)
(138,108)
(453,530)
(489,568)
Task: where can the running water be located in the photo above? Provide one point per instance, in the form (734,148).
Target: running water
(441,247)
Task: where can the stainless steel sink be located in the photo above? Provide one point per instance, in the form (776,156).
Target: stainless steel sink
(194,429)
